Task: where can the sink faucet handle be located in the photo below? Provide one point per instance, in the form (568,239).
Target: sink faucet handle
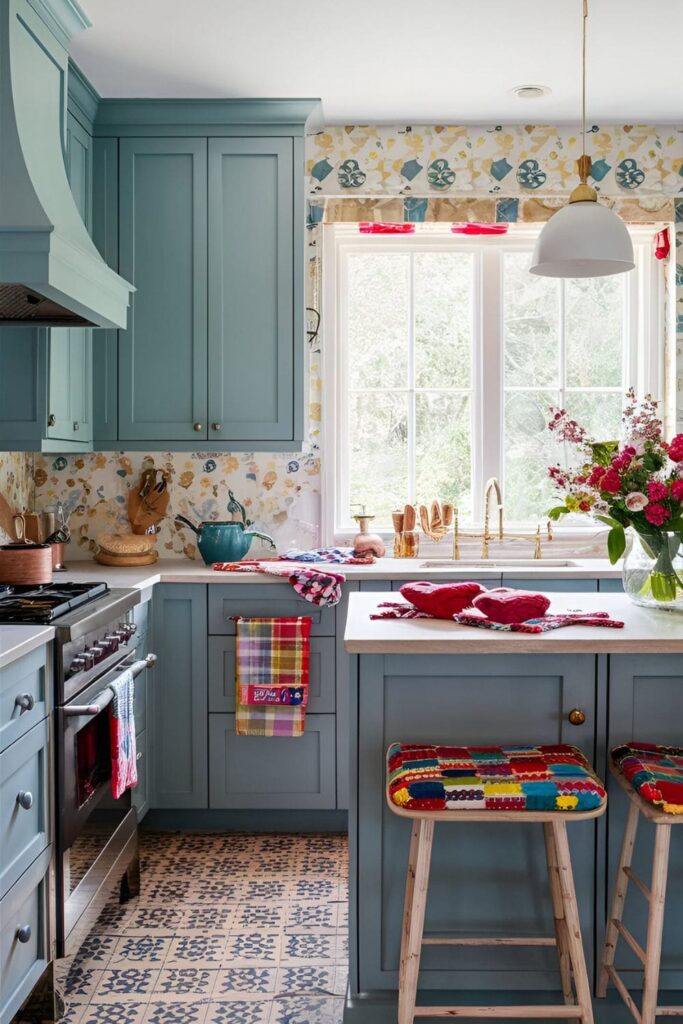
(549,529)
(538,551)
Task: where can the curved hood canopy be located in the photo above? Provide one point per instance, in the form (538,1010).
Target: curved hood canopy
(51,273)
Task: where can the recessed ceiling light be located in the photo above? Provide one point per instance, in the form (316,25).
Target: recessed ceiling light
(530,92)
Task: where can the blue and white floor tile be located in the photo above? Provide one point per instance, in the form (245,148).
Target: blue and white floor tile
(228,929)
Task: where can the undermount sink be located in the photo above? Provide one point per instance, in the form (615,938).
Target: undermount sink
(496,563)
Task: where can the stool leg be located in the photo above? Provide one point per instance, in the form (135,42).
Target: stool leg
(618,898)
(571,915)
(558,916)
(413,925)
(655,923)
(408,901)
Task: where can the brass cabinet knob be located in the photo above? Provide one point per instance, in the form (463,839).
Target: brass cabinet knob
(576,716)
(197,427)
(216,426)
(51,420)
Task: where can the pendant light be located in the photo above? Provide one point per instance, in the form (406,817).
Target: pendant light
(583,239)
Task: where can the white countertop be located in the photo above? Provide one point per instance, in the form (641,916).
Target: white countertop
(184,570)
(644,632)
(15,641)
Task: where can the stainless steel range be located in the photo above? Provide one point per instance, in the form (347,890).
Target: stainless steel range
(96,836)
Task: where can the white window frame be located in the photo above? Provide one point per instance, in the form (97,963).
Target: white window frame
(644,344)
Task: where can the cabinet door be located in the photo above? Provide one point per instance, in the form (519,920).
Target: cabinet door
(179,701)
(253,274)
(646,704)
(105,231)
(69,384)
(487,879)
(544,586)
(162,251)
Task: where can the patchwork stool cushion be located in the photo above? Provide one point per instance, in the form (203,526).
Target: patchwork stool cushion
(655,772)
(520,778)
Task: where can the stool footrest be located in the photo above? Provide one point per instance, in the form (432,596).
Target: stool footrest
(509,1012)
(446,940)
(633,943)
(669,1011)
(623,992)
(638,882)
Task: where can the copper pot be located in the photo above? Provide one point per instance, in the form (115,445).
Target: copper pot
(25,563)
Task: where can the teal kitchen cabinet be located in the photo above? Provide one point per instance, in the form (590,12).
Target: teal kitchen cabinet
(180,697)
(162,357)
(255,287)
(583,585)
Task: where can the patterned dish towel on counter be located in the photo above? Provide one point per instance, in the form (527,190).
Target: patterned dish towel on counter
(399,610)
(343,556)
(124,771)
(271,681)
(543,623)
(321,588)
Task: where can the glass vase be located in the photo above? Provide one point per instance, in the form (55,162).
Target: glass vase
(653,570)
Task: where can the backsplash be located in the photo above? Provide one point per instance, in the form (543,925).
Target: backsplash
(15,482)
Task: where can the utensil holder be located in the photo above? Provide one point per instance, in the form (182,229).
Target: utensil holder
(407,544)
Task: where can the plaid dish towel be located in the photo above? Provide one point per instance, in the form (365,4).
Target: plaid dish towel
(124,771)
(271,681)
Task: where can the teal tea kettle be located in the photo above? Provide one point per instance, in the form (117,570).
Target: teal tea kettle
(227,541)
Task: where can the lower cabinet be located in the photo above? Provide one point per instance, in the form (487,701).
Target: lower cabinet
(179,623)
(24,936)
(272,772)
(583,586)
(24,804)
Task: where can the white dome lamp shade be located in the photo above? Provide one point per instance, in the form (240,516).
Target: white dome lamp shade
(583,239)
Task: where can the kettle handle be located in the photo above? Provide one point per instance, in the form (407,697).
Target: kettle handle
(186,522)
(262,536)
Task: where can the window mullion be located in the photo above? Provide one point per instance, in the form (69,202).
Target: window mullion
(562,346)
(411,496)
(488,391)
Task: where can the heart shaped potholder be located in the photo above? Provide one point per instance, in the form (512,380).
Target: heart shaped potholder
(442,600)
(506,605)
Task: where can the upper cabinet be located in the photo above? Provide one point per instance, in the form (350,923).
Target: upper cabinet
(163,376)
(207,208)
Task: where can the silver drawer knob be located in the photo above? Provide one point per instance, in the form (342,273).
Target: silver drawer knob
(216,426)
(77,425)
(197,426)
(24,933)
(51,420)
(25,800)
(25,701)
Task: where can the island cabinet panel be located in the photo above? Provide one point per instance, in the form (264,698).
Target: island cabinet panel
(253,278)
(162,251)
(180,706)
(583,586)
(487,879)
(646,704)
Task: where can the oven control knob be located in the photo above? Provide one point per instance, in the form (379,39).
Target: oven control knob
(25,799)
(132,627)
(24,933)
(88,658)
(120,635)
(77,665)
(98,652)
(112,639)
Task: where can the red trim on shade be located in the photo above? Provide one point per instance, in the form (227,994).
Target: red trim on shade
(370,228)
(474,228)
(662,244)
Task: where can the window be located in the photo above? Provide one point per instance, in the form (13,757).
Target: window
(442,355)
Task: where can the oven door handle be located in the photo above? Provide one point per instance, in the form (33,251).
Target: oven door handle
(106,696)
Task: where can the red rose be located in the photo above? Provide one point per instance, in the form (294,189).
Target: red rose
(596,476)
(610,482)
(677,490)
(676,448)
(657,491)
(656,514)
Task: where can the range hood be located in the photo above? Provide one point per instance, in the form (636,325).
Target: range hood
(51,273)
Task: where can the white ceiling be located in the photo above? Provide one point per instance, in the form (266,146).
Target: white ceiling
(426,61)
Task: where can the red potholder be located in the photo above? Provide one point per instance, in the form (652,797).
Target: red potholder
(506,605)
(442,600)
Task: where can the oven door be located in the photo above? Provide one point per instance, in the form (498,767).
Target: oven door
(96,835)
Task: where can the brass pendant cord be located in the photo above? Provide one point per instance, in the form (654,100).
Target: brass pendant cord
(583,191)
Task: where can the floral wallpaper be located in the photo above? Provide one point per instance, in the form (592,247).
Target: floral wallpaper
(505,173)
(16,484)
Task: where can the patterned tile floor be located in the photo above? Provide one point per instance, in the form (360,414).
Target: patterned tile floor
(228,929)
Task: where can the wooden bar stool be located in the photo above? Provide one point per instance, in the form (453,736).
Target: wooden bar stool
(548,785)
(652,778)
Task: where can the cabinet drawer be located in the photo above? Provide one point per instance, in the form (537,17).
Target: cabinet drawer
(321,695)
(25,678)
(23,823)
(24,909)
(141,791)
(262,600)
(277,772)
(486,581)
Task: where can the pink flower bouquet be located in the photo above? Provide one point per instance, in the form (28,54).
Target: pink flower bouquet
(636,483)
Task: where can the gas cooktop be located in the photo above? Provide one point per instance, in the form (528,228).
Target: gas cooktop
(43,604)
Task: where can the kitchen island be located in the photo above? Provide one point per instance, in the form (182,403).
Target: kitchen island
(423,680)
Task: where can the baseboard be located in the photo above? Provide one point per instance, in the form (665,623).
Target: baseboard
(245,821)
